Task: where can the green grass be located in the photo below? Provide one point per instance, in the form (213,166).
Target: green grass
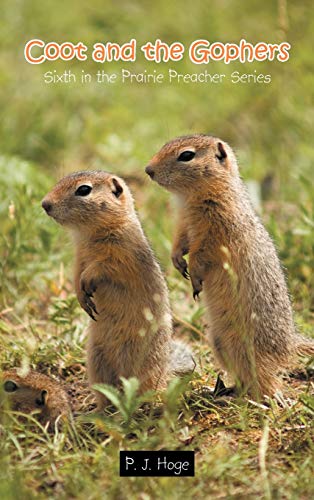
(242,450)
(41,325)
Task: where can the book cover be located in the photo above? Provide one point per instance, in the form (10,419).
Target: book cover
(139,357)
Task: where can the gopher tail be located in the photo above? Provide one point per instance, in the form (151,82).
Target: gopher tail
(181,358)
(304,346)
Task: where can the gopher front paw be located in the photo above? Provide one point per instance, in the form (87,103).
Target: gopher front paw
(197,285)
(87,290)
(180,264)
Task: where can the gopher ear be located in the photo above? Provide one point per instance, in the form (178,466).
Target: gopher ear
(116,187)
(44,396)
(221,154)
(42,400)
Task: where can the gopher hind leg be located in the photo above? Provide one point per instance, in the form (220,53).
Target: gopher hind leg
(257,377)
(99,372)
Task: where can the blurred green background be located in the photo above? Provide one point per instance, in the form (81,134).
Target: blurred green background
(49,130)
(58,124)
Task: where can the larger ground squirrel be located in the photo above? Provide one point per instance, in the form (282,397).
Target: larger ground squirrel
(118,282)
(233,258)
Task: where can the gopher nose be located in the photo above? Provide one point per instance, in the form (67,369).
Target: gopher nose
(150,172)
(47,206)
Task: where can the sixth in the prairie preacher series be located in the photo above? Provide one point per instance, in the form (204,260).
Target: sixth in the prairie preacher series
(126,76)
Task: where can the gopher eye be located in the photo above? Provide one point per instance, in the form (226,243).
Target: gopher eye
(186,156)
(83,190)
(10,386)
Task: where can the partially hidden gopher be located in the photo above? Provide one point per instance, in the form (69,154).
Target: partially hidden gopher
(36,393)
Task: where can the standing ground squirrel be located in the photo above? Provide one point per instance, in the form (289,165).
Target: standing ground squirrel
(118,283)
(35,392)
(231,255)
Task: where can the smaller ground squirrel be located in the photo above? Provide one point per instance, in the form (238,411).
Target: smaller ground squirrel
(233,258)
(118,283)
(37,393)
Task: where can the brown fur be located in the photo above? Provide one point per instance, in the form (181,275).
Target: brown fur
(35,392)
(233,258)
(118,282)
